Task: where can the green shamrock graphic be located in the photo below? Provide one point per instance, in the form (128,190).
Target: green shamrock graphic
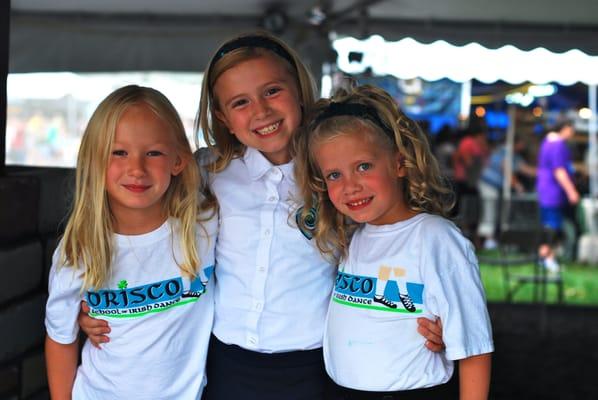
(122,284)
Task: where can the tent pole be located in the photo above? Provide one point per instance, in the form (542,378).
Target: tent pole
(508,168)
(465,102)
(593,145)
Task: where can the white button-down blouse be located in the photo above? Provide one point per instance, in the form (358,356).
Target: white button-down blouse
(272,285)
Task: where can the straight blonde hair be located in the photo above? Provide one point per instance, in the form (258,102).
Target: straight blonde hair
(88,238)
(424,188)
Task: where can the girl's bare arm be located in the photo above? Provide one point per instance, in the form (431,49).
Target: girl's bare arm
(61,364)
(474,377)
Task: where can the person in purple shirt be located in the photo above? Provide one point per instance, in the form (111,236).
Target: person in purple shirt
(555,188)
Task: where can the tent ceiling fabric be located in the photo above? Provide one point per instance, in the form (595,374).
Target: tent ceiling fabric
(442,60)
(112,35)
(88,44)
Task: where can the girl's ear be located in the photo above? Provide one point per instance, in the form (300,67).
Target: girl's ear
(179,165)
(222,118)
(401,170)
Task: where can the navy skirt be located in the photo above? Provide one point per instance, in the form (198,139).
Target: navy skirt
(237,373)
(447,391)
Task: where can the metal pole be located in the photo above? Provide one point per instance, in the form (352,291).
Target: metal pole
(593,146)
(508,167)
(4,44)
(465,102)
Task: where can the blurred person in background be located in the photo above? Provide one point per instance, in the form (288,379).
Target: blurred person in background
(490,186)
(468,162)
(556,191)
(444,146)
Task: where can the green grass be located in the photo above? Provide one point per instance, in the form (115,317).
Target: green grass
(580,284)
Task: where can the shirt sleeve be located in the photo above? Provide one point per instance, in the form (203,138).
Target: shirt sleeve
(454,292)
(561,158)
(64,297)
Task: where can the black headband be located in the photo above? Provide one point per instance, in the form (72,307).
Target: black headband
(354,110)
(254,41)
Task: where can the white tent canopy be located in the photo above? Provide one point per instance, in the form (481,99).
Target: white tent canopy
(407,59)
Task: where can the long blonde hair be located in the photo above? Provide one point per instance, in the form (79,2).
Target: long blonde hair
(424,188)
(215,133)
(88,237)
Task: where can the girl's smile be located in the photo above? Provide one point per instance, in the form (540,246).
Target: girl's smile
(358,204)
(269,130)
(137,188)
(258,101)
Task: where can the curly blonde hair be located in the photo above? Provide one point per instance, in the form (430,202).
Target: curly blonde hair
(424,187)
(216,135)
(88,238)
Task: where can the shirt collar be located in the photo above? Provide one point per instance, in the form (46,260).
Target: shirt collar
(258,165)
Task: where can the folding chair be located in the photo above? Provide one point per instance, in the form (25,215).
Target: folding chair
(518,241)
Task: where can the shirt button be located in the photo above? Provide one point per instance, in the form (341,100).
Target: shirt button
(258,306)
(271,198)
(267,232)
(252,340)
(261,269)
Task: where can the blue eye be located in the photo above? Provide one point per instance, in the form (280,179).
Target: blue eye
(238,103)
(272,91)
(119,153)
(364,166)
(333,176)
(154,153)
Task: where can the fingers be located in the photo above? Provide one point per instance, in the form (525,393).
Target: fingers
(97,336)
(432,331)
(88,323)
(435,327)
(95,329)
(430,335)
(436,348)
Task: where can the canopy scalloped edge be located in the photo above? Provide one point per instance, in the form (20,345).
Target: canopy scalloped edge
(408,58)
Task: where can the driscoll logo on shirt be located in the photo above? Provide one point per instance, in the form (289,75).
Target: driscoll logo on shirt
(138,301)
(360,291)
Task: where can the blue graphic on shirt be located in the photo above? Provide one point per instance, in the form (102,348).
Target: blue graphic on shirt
(360,290)
(198,286)
(153,297)
(306,224)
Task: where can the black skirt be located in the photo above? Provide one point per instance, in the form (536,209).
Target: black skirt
(446,391)
(237,373)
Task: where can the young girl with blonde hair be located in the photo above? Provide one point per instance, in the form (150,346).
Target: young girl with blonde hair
(135,250)
(272,285)
(368,177)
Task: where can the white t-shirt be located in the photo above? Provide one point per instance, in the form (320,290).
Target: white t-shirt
(160,321)
(273,286)
(373,346)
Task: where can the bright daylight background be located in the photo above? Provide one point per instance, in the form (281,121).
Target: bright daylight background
(47,112)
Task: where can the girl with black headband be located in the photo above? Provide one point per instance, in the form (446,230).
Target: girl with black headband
(376,199)
(272,285)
